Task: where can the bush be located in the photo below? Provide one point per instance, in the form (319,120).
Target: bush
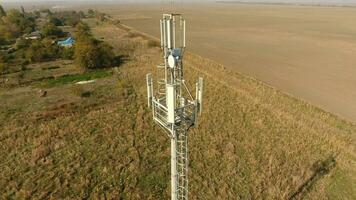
(153,43)
(22,43)
(34,52)
(68,53)
(42,51)
(23,67)
(2,68)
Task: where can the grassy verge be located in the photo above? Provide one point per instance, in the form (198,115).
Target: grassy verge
(90,75)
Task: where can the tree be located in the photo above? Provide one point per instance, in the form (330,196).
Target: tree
(81,14)
(9,31)
(34,53)
(82,30)
(86,53)
(48,11)
(15,24)
(72,21)
(107,56)
(91,54)
(50,49)
(2,41)
(91,13)
(37,13)
(42,51)
(15,17)
(51,30)
(23,10)
(56,21)
(2,57)
(22,43)
(2,12)
(100,17)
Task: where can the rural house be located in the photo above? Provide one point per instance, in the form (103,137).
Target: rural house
(36,35)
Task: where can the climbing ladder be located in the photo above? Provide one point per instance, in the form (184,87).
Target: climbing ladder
(182,163)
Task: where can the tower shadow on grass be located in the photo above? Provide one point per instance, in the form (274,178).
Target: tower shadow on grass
(320,169)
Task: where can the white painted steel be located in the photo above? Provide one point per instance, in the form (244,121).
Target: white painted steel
(149,89)
(200,94)
(184,33)
(174,110)
(174,175)
(171,99)
(173,21)
(161,31)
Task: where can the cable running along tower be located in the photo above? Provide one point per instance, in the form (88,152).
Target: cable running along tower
(173,106)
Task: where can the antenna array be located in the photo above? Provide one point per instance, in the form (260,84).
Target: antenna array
(173,106)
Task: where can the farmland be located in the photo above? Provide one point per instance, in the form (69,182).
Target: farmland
(98,140)
(306,51)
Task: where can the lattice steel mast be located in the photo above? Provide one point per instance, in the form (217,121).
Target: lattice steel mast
(173,105)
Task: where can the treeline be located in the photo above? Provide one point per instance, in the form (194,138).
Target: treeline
(13,24)
(33,51)
(16,49)
(66,18)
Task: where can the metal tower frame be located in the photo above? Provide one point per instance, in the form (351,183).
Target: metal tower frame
(173,106)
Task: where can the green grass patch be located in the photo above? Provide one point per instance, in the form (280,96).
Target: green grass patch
(86,76)
(341,186)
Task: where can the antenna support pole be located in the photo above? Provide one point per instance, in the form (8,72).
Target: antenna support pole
(173,106)
(174,175)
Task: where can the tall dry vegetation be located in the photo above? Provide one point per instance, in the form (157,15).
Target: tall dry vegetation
(252,142)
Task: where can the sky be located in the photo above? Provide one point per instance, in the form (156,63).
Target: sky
(136,1)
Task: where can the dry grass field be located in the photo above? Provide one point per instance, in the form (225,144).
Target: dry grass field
(306,51)
(98,141)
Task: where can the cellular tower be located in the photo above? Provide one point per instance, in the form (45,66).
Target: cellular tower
(174,108)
